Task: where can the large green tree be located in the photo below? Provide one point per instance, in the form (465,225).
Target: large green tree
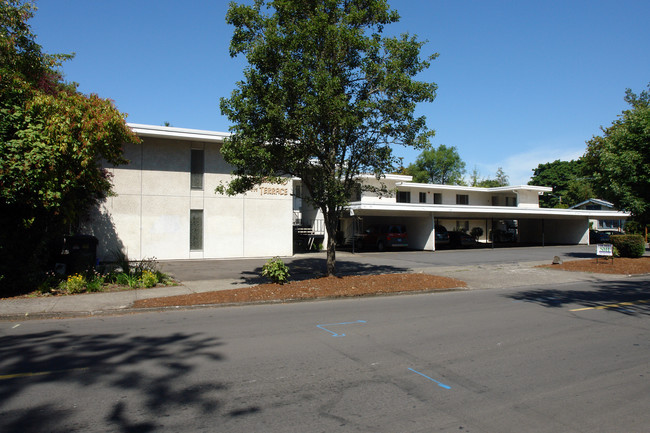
(52,139)
(324,97)
(619,160)
(441,166)
(568,180)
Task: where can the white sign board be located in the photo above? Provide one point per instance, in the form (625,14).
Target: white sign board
(604,250)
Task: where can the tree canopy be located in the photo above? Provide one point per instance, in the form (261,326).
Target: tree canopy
(324,97)
(568,180)
(441,165)
(52,139)
(619,160)
(500,179)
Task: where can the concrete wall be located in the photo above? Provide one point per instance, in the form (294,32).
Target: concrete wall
(574,231)
(150,215)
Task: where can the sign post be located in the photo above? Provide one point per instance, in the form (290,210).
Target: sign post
(606,250)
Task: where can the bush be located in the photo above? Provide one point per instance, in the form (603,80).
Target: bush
(476,232)
(276,271)
(74,284)
(632,246)
(149,279)
(95,281)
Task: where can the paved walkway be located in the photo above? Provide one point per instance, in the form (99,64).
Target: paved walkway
(210,275)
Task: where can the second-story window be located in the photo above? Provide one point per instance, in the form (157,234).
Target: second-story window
(197,168)
(423,197)
(403,196)
(462,199)
(437,198)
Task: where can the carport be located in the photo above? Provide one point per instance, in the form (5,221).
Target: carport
(536,226)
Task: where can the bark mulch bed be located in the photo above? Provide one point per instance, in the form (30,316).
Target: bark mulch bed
(609,266)
(318,288)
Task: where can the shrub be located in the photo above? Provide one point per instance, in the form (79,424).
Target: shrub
(149,279)
(632,246)
(476,232)
(276,271)
(75,283)
(95,281)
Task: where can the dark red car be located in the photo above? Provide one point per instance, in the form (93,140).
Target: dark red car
(385,236)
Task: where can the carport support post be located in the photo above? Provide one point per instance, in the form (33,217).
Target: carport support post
(433,222)
(492,229)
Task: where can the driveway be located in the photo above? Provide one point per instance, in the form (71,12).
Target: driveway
(478,262)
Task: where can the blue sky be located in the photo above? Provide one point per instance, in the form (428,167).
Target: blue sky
(520,82)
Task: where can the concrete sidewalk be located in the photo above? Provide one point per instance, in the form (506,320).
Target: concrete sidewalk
(222,276)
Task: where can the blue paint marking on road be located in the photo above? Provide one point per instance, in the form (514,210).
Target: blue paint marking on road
(440,384)
(334,334)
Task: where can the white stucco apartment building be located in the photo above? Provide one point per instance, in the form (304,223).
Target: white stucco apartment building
(166,207)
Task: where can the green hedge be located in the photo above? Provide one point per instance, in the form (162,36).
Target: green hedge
(629,245)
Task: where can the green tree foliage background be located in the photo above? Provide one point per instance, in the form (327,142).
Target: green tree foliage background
(441,165)
(324,97)
(500,179)
(569,182)
(619,160)
(52,139)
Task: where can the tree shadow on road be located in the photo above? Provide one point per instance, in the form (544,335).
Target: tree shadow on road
(630,297)
(315,267)
(140,381)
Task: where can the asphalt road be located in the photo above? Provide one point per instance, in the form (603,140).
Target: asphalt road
(533,359)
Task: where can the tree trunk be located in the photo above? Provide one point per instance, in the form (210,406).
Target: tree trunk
(331,222)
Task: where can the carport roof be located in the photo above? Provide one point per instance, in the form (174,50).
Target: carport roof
(478,212)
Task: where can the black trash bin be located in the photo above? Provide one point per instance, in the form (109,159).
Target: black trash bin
(80,253)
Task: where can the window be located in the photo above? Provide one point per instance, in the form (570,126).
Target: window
(495,200)
(196,230)
(437,198)
(197,169)
(403,196)
(423,197)
(511,201)
(462,199)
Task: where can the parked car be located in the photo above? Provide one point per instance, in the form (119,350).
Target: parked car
(385,236)
(602,236)
(460,239)
(442,237)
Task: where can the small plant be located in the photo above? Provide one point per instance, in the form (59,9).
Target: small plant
(95,281)
(75,283)
(276,271)
(49,283)
(149,279)
(132,280)
(476,232)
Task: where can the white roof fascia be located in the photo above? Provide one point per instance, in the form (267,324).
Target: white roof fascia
(540,189)
(487,210)
(399,177)
(177,133)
